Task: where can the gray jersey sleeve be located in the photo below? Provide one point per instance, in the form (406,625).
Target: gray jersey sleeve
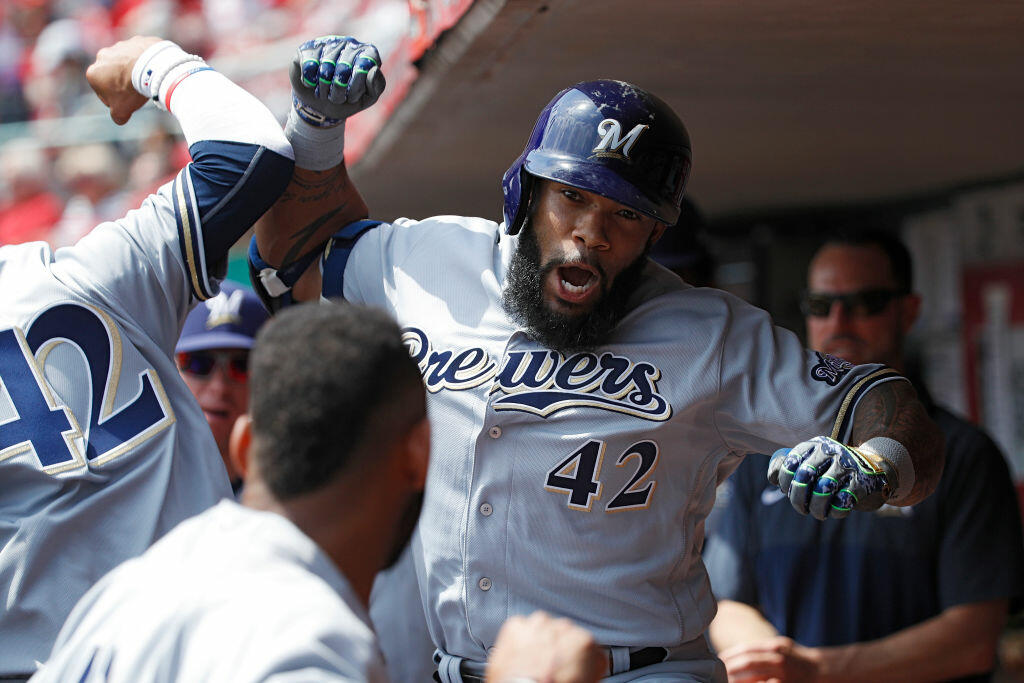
(135,266)
(774,393)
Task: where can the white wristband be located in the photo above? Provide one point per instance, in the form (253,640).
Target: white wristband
(142,73)
(895,454)
(316,149)
(156,63)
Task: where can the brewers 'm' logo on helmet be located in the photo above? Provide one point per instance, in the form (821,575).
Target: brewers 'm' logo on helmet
(612,143)
(645,168)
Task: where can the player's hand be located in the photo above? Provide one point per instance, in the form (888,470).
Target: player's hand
(334,77)
(828,479)
(111,76)
(775,659)
(544,649)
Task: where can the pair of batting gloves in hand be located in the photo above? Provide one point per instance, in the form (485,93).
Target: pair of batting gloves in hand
(828,479)
(334,77)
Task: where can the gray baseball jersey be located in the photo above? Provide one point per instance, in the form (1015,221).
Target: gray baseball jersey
(102,447)
(396,611)
(231,595)
(579,485)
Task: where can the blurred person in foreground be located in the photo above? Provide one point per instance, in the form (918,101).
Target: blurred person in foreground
(336,450)
(914,593)
(213,358)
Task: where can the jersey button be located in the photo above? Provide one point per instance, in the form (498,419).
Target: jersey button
(484,583)
(486,509)
(494,432)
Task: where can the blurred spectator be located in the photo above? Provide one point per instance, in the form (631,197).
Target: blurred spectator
(159,155)
(55,194)
(28,209)
(213,358)
(13,106)
(28,18)
(55,84)
(180,20)
(913,593)
(94,177)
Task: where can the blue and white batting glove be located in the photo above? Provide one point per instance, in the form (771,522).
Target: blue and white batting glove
(826,478)
(333,77)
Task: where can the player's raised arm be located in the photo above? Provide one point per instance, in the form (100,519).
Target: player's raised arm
(98,424)
(241,162)
(894,454)
(333,77)
(110,76)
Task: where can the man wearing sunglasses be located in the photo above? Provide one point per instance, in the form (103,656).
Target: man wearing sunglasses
(914,593)
(213,358)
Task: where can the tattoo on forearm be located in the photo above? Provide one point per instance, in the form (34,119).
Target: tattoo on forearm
(878,411)
(307,189)
(892,409)
(321,202)
(301,237)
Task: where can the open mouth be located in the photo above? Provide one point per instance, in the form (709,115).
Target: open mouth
(576,282)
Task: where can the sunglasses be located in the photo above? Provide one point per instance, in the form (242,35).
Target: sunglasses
(202,363)
(864,303)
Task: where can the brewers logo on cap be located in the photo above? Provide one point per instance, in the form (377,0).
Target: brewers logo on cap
(229,320)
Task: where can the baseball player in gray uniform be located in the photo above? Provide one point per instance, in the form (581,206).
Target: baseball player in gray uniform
(584,401)
(336,453)
(102,447)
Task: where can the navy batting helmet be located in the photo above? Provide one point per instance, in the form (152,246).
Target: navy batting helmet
(606,137)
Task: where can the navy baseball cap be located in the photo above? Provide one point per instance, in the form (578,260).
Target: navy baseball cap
(227,321)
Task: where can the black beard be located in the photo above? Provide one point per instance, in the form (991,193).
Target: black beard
(523,299)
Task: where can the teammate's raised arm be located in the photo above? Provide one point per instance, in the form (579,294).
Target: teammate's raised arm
(110,76)
(241,159)
(103,449)
(332,78)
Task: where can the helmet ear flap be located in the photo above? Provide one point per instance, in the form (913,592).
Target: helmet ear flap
(526,185)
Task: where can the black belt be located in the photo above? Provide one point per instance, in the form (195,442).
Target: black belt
(473,672)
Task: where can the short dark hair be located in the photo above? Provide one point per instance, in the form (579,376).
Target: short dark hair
(900,262)
(331,385)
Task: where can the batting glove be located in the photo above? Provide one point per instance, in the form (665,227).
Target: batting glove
(826,478)
(334,77)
